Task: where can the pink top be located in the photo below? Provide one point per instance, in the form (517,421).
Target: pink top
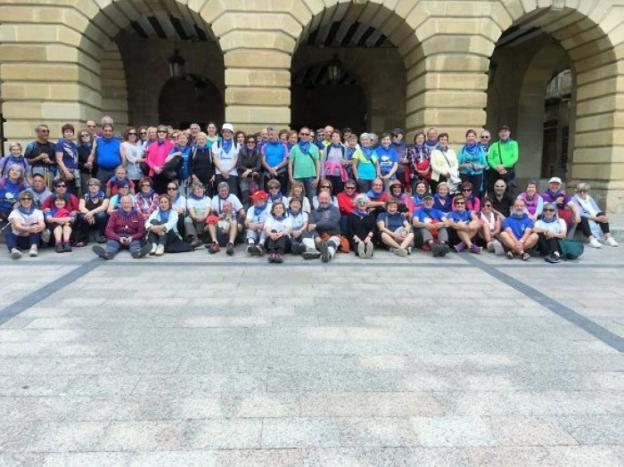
(156,154)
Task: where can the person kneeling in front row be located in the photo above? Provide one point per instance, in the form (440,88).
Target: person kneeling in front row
(25,226)
(322,238)
(124,229)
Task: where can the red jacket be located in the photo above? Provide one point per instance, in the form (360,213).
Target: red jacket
(346,203)
(127,224)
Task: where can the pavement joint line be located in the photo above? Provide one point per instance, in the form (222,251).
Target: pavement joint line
(611,339)
(40,294)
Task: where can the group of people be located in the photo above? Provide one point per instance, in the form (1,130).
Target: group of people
(312,193)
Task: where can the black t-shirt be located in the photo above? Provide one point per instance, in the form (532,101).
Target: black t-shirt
(504,205)
(35,149)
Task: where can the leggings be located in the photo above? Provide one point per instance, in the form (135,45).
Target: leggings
(584,226)
(277,246)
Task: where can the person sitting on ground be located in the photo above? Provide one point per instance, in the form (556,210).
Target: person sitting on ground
(10,188)
(550,229)
(421,189)
(361,228)
(26,224)
(197,209)
(404,200)
(122,190)
(92,214)
(566,208)
(346,204)
(432,224)
(325,185)
(377,197)
(463,226)
(162,227)
(442,200)
(594,220)
(323,238)
(502,200)
(125,229)
(275,192)
(255,220)
(299,225)
(517,232)
(490,228)
(39,190)
(119,179)
(178,204)
(223,228)
(60,221)
(146,200)
(297,190)
(532,200)
(395,230)
(473,203)
(277,230)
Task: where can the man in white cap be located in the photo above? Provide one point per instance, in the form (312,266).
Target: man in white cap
(225,157)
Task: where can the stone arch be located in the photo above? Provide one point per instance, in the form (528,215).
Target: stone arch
(585,31)
(105,38)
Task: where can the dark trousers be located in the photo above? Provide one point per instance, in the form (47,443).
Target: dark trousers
(584,226)
(547,246)
(104,175)
(83,227)
(278,246)
(337,185)
(19,241)
(167,239)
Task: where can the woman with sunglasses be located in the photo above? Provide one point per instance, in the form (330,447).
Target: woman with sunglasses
(473,203)
(490,227)
(594,221)
(549,229)
(157,153)
(85,145)
(132,152)
(325,185)
(178,204)
(463,226)
(249,169)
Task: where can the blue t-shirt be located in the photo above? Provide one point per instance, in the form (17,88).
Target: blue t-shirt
(70,153)
(386,157)
(107,153)
(9,194)
(518,224)
(392,221)
(275,153)
(425,215)
(464,216)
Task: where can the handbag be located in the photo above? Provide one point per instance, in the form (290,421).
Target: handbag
(571,249)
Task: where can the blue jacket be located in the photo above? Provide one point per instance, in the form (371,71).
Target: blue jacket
(518,225)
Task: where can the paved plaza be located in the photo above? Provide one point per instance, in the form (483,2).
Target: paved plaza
(194,359)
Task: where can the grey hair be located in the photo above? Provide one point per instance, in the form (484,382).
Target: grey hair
(583,186)
(360,198)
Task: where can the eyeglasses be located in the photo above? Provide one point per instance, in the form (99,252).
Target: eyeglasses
(171,188)
(132,134)
(485,137)
(143,132)
(161,131)
(549,210)
(62,185)
(44,131)
(304,134)
(582,191)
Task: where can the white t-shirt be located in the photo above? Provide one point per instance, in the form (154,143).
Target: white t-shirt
(179,203)
(217,203)
(305,205)
(201,206)
(298,221)
(260,219)
(24,219)
(134,152)
(557,227)
(279,226)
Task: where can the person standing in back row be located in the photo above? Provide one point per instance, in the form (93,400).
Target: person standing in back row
(502,158)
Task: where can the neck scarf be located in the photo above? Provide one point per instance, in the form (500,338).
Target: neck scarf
(293,213)
(551,220)
(94,197)
(359,213)
(148,195)
(471,149)
(277,197)
(373,195)
(26,212)
(336,146)
(164,215)
(195,197)
(279,218)
(259,209)
(226,144)
(304,146)
(368,152)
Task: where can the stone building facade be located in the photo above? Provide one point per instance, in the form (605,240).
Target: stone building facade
(453,64)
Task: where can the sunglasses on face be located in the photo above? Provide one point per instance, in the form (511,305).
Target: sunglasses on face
(144,132)
(132,134)
(44,131)
(349,188)
(549,210)
(485,137)
(60,186)
(161,131)
(304,134)
(171,188)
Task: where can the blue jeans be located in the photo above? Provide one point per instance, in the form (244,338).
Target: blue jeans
(20,241)
(113,246)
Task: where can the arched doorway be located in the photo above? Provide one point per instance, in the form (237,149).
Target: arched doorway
(193,99)
(349,71)
(136,51)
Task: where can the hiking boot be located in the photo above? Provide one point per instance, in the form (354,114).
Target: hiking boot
(143,251)
(259,251)
(251,248)
(160,250)
(310,253)
(101,252)
(498,248)
(370,248)
(229,249)
(59,248)
(402,252)
(15,253)
(67,248)
(297,248)
(153,249)
(277,258)
(324,252)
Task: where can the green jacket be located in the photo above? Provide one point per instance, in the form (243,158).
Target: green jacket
(505,153)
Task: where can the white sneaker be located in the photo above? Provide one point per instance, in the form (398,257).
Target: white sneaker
(594,243)
(15,253)
(160,250)
(611,242)
(34,251)
(153,250)
(45,236)
(498,248)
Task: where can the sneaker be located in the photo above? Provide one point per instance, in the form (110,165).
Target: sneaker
(251,248)
(195,242)
(59,248)
(594,243)
(229,249)
(67,248)
(310,253)
(143,251)
(277,258)
(160,250)
(153,249)
(259,251)
(461,246)
(101,252)
(439,250)
(15,253)
(526,256)
(45,236)
(361,249)
(297,248)
(556,258)
(498,248)
(370,248)
(324,252)
(475,248)
(214,248)
(490,247)
(402,252)
(34,251)
(271,258)
(510,255)
(611,242)
(100,238)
